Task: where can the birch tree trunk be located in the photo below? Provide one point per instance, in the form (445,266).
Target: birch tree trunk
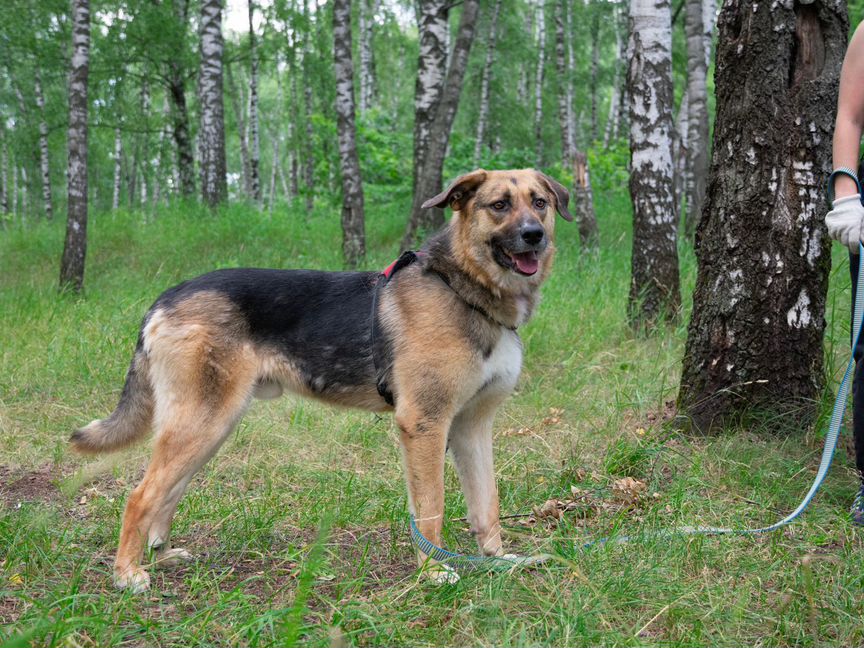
(483,116)
(5,198)
(118,168)
(431,70)
(353,223)
(367,78)
(654,287)
(680,170)
(538,85)
(709,17)
(176,86)
(697,115)
(563,83)
(142,148)
(570,138)
(524,72)
(239,119)
(44,153)
(308,150)
(214,187)
(254,136)
(429,176)
(75,244)
(755,337)
(613,117)
(583,198)
(595,68)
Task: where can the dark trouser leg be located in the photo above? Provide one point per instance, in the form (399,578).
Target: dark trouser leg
(858,379)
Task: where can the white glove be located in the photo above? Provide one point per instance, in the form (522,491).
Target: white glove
(844,221)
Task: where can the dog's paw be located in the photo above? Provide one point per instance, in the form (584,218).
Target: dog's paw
(441,574)
(134,579)
(173,558)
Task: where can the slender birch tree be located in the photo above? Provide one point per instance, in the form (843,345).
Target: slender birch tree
(75,245)
(44,152)
(254,131)
(654,287)
(538,84)
(353,219)
(428,177)
(214,187)
(697,114)
(488,66)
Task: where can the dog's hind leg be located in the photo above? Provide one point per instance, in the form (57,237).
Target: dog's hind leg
(470,443)
(196,409)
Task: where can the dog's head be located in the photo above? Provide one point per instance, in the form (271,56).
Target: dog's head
(505,223)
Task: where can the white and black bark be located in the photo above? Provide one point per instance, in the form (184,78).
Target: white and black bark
(308,170)
(353,221)
(570,135)
(211,133)
(538,85)
(142,146)
(75,244)
(431,71)
(429,176)
(755,337)
(118,168)
(613,118)
(679,155)
(44,151)
(242,131)
(697,114)
(563,83)
(488,67)
(522,85)
(583,199)
(654,287)
(595,68)
(366,25)
(254,131)
(176,87)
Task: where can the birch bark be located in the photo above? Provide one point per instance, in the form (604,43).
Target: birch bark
(654,287)
(254,133)
(353,227)
(483,116)
(538,85)
(214,187)
(44,152)
(75,244)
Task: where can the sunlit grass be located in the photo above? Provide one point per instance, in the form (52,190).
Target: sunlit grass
(253,514)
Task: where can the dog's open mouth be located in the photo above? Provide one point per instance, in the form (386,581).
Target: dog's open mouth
(525,263)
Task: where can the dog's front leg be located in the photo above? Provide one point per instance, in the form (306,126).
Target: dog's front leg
(471,445)
(424,445)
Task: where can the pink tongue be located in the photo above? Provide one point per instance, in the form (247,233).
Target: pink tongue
(526,262)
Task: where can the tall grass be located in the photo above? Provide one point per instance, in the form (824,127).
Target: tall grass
(588,413)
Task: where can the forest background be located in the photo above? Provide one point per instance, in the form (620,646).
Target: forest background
(587,447)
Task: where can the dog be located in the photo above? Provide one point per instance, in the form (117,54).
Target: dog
(432,339)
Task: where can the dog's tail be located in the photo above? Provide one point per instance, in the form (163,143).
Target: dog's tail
(131,420)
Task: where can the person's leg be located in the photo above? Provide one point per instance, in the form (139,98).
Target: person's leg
(857,400)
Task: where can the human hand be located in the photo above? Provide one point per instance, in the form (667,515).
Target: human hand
(844,221)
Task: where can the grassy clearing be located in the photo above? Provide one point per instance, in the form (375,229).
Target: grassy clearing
(588,413)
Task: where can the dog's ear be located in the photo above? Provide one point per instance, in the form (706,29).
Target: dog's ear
(458,193)
(562,196)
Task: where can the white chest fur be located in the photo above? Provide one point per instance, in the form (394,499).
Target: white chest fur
(500,370)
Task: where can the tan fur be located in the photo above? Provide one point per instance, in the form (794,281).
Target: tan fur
(452,368)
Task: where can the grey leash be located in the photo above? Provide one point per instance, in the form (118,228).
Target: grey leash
(506,563)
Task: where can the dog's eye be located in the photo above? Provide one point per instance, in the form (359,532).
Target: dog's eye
(539,203)
(499,205)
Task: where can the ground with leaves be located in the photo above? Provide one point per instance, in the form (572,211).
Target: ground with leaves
(583,450)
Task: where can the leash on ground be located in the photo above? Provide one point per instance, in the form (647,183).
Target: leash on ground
(505,563)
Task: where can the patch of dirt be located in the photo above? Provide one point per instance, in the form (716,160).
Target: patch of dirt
(38,485)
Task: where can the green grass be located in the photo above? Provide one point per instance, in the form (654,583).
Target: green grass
(266,574)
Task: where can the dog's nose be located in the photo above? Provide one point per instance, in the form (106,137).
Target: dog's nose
(532,233)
